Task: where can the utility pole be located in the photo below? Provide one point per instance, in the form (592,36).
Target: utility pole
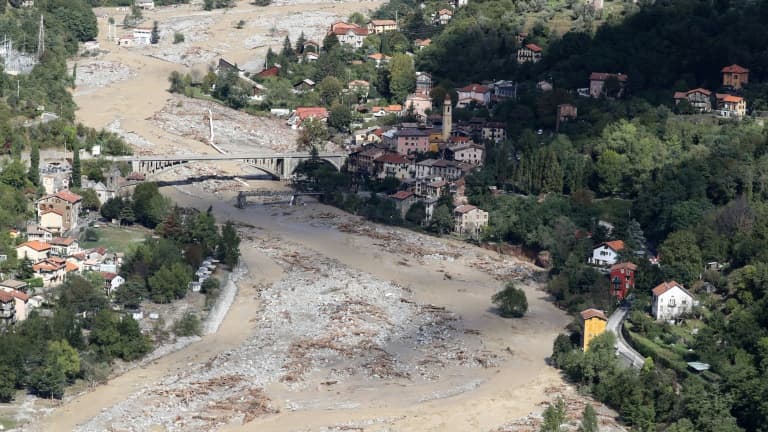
(18,91)
(41,39)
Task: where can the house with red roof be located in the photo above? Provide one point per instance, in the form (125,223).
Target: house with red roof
(422,43)
(303,113)
(392,165)
(33,250)
(412,140)
(444,16)
(51,270)
(112,281)
(599,89)
(622,277)
(7,308)
(731,106)
(64,246)
(529,53)
(480,94)
(349,34)
(699,98)
(606,253)
(593,322)
(65,203)
(20,302)
(379,59)
(735,76)
(403,201)
(670,301)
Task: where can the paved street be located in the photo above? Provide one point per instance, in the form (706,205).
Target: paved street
(627,353)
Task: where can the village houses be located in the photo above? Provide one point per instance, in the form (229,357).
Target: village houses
(530,53)
(735,76)
(730,105)
(7,308)
(142,36)
(444,16)
(33,250)
(403,201)
(63,209)
(670,301)
(600,85)
(412,140)
(392,165)
(304,113)
(419,104)
(468,152)
(699,98)
(20,303)
(381,26)
(622,278)
(351,35)
(607,253)
(480,94)
(64,246)
(593,323)
(469,220)
(423,83)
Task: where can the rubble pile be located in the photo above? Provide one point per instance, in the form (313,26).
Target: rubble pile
(234,131)
(100,73)
(574,404)
(322,320)
(504,269)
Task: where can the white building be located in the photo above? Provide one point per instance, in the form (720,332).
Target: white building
(606,254)
(142,36)
(670,300)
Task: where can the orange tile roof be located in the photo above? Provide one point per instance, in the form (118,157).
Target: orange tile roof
(62,241)
(36,245)
(593,313)
(383,22)
(392,158)
(666,286)
(401,195)
(6,297)
(68,196)
(316,112)
(70,267)
(477,88)
(616,245)
(734,68)
(534,47)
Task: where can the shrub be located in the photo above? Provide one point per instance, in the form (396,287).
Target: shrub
(188,325)
(511,301)
(178,37)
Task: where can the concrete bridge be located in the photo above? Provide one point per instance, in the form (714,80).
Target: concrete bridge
(279,165)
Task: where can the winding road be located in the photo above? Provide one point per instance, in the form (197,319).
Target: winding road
(623,348)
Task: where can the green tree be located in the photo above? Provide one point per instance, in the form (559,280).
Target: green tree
(7,384)
(589,420)
(188,325)
(169,283)
(90,199)
(34,164)
(228,249)
(287,50)
(416,213)
(313,135)
(340,117)
(330,42)
(681,257)
(208,5)
(25,270)
(154,38)
(511,301)
(442,220)
(127,217)
(77,176)
(300,42)
(112,208)
(554,417)
(402,76)
(329,89)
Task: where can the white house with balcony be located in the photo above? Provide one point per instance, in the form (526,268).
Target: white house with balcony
(670,301)
(606,253)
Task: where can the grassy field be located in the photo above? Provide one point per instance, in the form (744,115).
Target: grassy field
(116,238)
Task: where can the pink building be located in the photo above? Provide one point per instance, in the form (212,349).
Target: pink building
(411,140)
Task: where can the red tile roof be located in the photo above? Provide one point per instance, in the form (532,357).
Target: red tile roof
(383,22)
(316,112)
(729,98)
(734,68)
(477,88)
(68,196)
(534,47)
(602,76)
(269,72)
(62,241)
(593,313)
(70,267)
(666,286)
(6,297)
(401,195)
(392,159)
(423,43)
(35,245)
(624,265)
(616,245)
(108,276)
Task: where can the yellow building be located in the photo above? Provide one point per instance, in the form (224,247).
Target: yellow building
(594,322)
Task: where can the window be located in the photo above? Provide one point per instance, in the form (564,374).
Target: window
(672,302)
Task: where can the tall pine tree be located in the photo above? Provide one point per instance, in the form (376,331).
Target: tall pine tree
(34,164)
(287,51)
(76,168)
